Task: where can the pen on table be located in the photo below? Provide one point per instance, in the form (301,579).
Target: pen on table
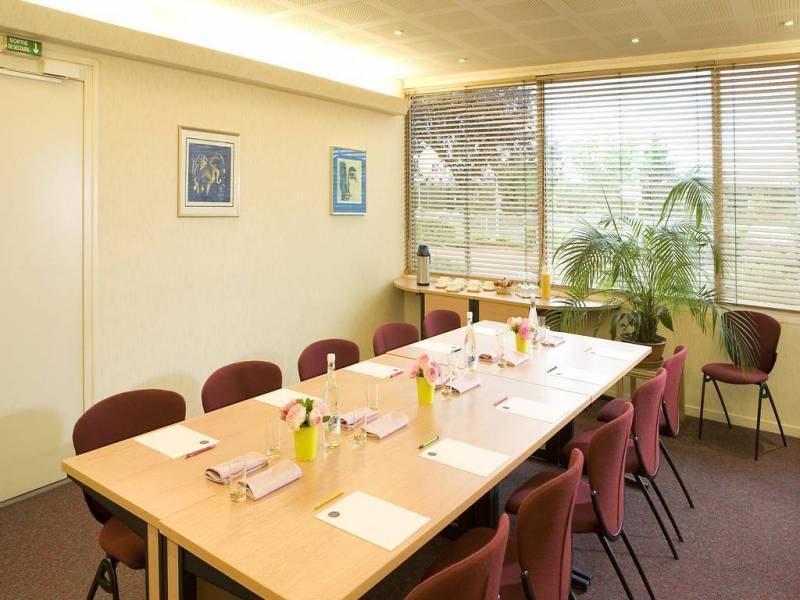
(396,373)
(553,368)
(328,499)
(499,402)
(424,445)
(196,452)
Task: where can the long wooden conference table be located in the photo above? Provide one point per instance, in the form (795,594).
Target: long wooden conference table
(275,547)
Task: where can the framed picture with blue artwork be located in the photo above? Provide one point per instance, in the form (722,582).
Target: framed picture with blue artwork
(208,173)
(349,181)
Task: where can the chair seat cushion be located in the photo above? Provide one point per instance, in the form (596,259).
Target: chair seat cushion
(582,440)
(119,542)
(518,497)
(614,407)
(730,373)
(469,543)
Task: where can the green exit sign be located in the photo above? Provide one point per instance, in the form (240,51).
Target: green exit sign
(23,46)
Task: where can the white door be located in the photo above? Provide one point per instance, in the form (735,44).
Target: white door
(41,328)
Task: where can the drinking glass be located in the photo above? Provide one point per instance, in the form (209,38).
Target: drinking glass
(541,330)
(373,396)
(237,483)
(447,390)
(274,432)
(501,349)
(360,436)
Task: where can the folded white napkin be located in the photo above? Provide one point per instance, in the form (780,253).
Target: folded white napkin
(515,358)
(553,341)
(221,473)
(387,424)
(464,383)
(274,478)
(353,418)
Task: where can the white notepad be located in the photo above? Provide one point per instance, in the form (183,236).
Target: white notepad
(609,353)
(280,398)
(533,409)
(493,325)
(372,519)
(175,440)
(374,369)
(437,347)
(466,457)
(480,330)
(578,375)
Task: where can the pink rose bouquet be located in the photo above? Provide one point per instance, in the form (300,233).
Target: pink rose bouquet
(304,413)
(425,367)
(521,327)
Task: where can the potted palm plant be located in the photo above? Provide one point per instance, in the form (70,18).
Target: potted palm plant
(652,270)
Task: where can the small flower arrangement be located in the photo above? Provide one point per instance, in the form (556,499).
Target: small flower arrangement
(521,327)
(425,367)
(304,413)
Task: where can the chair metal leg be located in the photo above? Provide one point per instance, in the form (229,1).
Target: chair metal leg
(572,595)
(638,565)
(581,580)
(721,401)
(666,509)
(675,471)
(657,516)
(106,578)
(775,410)
(702,406)
(616,566)
(758,417)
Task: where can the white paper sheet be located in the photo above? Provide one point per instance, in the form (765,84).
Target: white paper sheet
(495,326)
(437,347)
(481,330)
(373,519)
(609,353)
(533,409)
(175,441)
(279,398)
(374,369)
(578,375)
(466,457)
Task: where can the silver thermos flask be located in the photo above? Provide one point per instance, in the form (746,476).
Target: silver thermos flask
(423,265)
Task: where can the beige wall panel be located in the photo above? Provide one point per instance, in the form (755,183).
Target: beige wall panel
(459,305)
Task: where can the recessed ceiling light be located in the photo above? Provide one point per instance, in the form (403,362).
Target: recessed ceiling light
(462,60)
(788,23)
(398,32)
(634,40)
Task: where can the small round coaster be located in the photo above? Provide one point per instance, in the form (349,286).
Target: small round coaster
(333,514)
(431,453)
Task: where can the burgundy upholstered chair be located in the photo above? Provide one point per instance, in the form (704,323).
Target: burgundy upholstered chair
(117,418)
(393,335)
(600,504)
(540,555)
(313,361)
(239,381)
(762,333)
(642,460)
(440,321)
(468,569)
(669,420)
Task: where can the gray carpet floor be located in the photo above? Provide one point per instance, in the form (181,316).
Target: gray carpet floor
(741,542)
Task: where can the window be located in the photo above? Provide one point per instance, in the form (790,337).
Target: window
(761,184)
(472,188)
(624,139)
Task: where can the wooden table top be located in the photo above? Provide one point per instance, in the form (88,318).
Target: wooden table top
(572,353)
(408,283)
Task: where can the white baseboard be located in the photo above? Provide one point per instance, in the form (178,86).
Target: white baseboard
(746,421)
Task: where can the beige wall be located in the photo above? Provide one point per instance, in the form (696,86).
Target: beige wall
(177,298)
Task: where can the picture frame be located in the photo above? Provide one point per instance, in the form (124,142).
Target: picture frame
(348,181)
(208,173)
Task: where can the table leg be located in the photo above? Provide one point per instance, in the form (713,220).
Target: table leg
(153,564)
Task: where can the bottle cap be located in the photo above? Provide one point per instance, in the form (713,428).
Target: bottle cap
(469,315)
(331,358)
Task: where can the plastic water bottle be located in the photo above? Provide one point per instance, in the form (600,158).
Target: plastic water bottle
(470,347)
(332,429)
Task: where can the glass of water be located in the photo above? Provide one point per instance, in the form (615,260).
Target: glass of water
(541,330)
(373,395)
(237,482)
(500,338)
(360,436)
(274,433)
(447,389)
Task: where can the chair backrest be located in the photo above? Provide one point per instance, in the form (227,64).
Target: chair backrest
(674,367)
(476,577)
(239,381)
(393,335)
(313,360)
(606,469)
(121,417)
(544,533)
(440,321)
(762,333)
(646,410)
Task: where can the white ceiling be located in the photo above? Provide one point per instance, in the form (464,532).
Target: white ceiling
(495,34)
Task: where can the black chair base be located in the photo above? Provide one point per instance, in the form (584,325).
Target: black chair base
(763,393)
(105,578)
(675,471)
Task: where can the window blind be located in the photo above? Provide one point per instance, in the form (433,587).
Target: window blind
(761,184)
(472,180)
(624,140)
